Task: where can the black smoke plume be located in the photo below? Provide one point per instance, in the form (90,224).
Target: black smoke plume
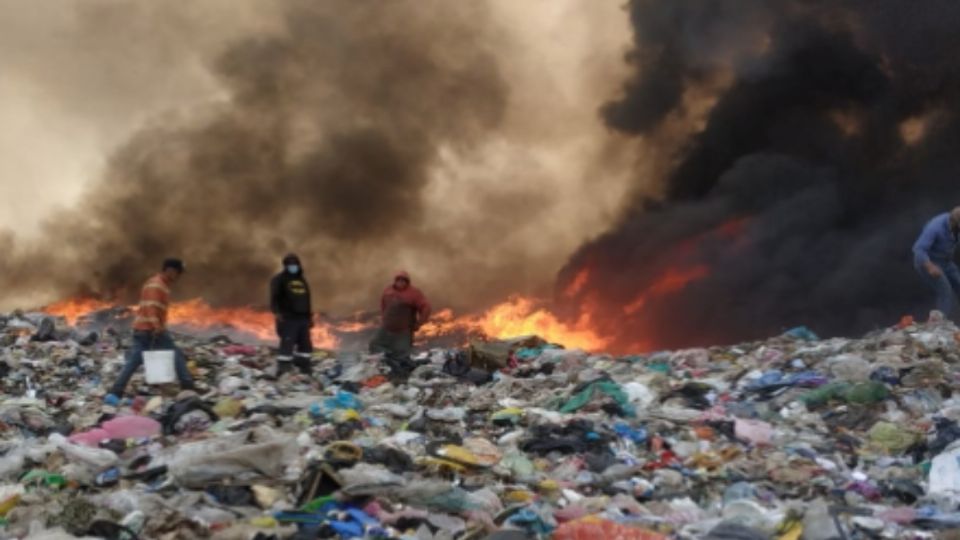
(830,135)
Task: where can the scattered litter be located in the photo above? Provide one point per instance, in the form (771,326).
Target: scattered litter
(791,437)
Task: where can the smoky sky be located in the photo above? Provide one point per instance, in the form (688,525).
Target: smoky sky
(367,137)
(829,139)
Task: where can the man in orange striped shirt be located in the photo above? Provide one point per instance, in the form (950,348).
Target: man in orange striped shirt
(150,329)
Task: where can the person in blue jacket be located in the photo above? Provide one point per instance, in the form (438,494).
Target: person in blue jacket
(934,258)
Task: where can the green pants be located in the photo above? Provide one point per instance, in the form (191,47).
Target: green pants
(394,346)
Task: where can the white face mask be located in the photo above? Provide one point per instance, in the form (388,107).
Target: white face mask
(293,268)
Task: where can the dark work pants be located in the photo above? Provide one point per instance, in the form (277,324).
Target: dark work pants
(147,341)
(946,287)
(295,342)
(391,344)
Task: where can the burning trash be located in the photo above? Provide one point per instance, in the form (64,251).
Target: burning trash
(493,438)
(613,260)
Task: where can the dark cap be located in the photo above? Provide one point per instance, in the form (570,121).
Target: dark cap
(291,258)
(176,264)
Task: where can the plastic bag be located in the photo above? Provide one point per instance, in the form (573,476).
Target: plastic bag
(892,438)
(860,393)
(121,427)
(518,464)
(636,435)
(849,367)
(822,395)
(592,528)
(448,414)
(817,522)
(945,473)
(366,479)
(801,333)
(439,495)
(755,432)
(96,458)
(866,393)
(585,395)
(343,400)
(228,408)
(233,457)
(639,394)
(91,437)
(131,427)
(752,514)
(485,452)
(738,491)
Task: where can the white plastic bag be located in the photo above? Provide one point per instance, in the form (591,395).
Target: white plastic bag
(96,458)
(244,456)
(945,472)
(639,394)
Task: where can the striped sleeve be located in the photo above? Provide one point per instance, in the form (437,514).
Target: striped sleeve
(154,302)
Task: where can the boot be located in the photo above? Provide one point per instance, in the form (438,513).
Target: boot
(283,366)
(303,364)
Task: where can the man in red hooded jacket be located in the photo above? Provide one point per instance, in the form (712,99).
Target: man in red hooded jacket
(404,309)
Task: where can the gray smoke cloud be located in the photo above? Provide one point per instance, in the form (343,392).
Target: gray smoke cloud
(366,137)
(818,138)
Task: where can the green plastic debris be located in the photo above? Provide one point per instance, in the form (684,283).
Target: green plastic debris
(860,393)
(510,415)
(891,437)
(316,504)
(606,386)
(659,367)
(823,394)
(518,464)
(451,500)
(37,477)
(867,392)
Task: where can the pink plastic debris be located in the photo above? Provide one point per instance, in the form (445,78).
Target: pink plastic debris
(242,350)
(89,438)
(121,427)
(755,432)
(129,427)
(901,515)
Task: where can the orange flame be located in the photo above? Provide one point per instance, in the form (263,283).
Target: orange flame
(676,279)
(575,286)
(198,315)
(258,323)
(518,316)
(74,308)
(670,282)
(732,229)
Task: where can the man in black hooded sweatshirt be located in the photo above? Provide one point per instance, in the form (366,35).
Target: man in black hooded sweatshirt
(290,304)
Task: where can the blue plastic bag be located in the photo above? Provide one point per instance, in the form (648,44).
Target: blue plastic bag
(802,333)
(637,435)
(343,400)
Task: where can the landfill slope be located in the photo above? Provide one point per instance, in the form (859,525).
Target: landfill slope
(791,437)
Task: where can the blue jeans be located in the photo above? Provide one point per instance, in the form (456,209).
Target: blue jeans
(147,341)
(946,286)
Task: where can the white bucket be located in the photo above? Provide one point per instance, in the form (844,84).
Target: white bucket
(159,367)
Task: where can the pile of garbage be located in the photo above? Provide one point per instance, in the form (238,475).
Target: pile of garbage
(793,437)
